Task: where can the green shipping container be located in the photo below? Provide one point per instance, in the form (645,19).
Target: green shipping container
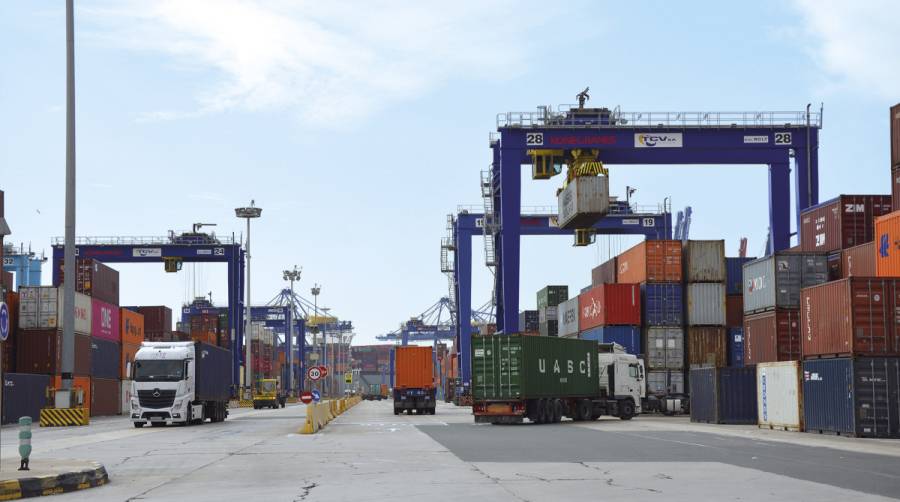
(552,296)
(528,367)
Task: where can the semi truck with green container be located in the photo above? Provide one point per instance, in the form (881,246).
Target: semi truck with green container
(544,379)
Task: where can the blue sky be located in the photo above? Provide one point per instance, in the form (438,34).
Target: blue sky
(359,127)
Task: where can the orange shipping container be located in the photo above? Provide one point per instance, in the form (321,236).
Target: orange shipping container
(132,328)
(414,368)
(651,261)
(78,382)
(887,245)
(128,352)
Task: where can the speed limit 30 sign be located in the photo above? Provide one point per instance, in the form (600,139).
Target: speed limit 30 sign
(314,373)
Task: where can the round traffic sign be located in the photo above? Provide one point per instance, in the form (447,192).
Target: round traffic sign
(316,395)
(324,371)
(306,397)
(314,373)
(4,322)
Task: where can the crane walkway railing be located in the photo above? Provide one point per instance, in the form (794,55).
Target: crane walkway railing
(545,117)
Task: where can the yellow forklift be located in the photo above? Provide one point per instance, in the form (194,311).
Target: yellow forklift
(268,394)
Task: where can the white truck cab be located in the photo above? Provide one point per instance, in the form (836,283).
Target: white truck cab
(624,378)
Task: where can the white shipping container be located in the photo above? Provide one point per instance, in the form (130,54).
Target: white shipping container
(705,304)
(704,261)
(567,312)
(779,398)
(584,201)
(549,314)
(41,307)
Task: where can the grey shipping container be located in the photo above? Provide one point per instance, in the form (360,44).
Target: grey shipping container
(23,396)
(527,367)
(529,320)
(105,358)
(583,201)
(853,397)
(605,273)
(665,383)
(567,313)
(705,304)
(723,395)
(548,314)
(552,296)
(704,261)
(549,328)
(664,348)
(776,281)
(213,369)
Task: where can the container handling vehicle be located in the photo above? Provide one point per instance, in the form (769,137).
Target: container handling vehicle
(545,378)
(180,383)
(414,388)
(268,394)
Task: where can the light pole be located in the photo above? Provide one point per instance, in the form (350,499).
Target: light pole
(327,381)
(248,213)
(291,275)
(315,290)
(68,341)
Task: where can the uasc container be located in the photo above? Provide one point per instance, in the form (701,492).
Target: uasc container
(780,395)
(705,304)
(842,222)
(854,397)
(583,201)
(723,395)
(776,281)
(629,337)
(855,316)
(651,261)
(664,348)
(704,261)
(663,304)
(707,346)
(610,304)
(772,336)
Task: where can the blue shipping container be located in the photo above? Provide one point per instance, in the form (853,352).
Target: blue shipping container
(213,369)
(626,336)
(854,397)
(723,395)
(23,396)
(736,347)
(734,275)
(663,304)
(106,357)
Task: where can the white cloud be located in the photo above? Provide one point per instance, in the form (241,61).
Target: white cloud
(856,43)
(329,61)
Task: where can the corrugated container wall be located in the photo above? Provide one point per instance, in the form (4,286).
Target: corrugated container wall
(628,337)
(775,281)
(663,304)
(214,363)
(834,265)
(855,397)
(843,222)
(552,296)
(414,368)
(858,261)
(23,396)
(665,383)
(39,352)
(772,336)
(94,279)
(568,314)
(856,316)
(895,188)
(734,310)
(583,201)
(131,326)
(664,348)
(887,258)
(651,261)
(736,347)
(41,307)
(604,273)
(704,261)
(707,346)
(780,395)
(723,395)
(734,275)
(610,304)
(106,396)
(156,319)
(895,135)
(705,304)
(105,358)
(105,321)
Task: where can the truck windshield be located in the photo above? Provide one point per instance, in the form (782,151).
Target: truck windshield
(158,370)
(267,387)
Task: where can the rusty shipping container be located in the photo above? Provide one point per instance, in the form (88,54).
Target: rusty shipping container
(39,352)
(855,317)
(610,305)
(835,268)
(704,261)
(650,261)
(772,336)
(842,222)
(106,397)
(156,319)
(94,279)
(413,367)
(858,261)
(895,188)
(605,273)
(734,311)
(895,135)
(887,256)
(707,346)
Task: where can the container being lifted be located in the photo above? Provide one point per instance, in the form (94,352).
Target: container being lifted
(584,198)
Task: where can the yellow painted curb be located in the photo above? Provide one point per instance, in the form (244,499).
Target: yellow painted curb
(319,414)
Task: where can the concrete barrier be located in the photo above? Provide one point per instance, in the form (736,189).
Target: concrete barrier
(319,414)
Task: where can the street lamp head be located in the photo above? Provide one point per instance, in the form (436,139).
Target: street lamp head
(248,212)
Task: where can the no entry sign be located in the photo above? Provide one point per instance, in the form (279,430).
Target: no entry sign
(306,397)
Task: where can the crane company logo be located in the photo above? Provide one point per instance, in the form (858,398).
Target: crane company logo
(81,313)
(854,208)
(884,244)
(569,366)
(808,313)
(147,252)
(593,310)
(658,140)
(105,318)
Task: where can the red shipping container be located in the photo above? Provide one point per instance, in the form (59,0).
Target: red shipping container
(650,261)
(895,135)
(843,222)
(156,319)
(38,351)
(772,336)
(858,261)
(734,311)
(895,188)
(609,305)
(855,316)
(105,321)
(106,398)
(94,279)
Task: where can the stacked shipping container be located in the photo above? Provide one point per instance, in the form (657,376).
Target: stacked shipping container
(548,299)
(705,273)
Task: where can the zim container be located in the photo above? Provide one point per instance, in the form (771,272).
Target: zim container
(605,273)
(583,201)
(772,336)
(651,261)
(609,305)
(842,222)
(705,304)
(858,261)
(664,348)
(735,347)
(662,304)
(779,392)
(38,351)
(704,261)
(706,346)
(23,396)
(855,316)
(106,397)
(723,395)
(734,275)
(665,383)
(628,337)
(776,281)
(854,397)
(414,367)
(526,367)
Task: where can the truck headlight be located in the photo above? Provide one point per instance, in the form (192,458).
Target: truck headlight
(135,403)
(177,404)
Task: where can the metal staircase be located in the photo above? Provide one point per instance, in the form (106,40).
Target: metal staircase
(448,245)
(491,224)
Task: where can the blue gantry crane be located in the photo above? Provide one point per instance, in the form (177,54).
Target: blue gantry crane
(436,323)
(25,264)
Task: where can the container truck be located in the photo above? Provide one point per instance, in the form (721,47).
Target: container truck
(544,379)
(414,389)
(180,383)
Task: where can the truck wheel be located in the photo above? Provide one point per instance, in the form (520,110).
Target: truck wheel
(583,410)
(531,410)
(626,409)
(549,411)
(138,425)
(396,412)
(557,410)
(541,411)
